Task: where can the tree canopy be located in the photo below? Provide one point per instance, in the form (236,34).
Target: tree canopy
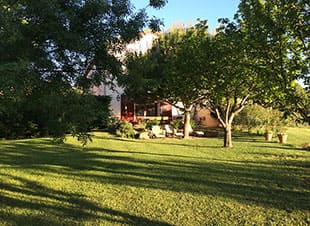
(259,57)
(281,30)
(164,74)
(256,58)
(55,42)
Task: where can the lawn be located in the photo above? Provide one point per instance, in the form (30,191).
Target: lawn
(114,181)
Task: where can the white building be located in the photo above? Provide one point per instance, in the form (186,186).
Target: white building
(124,109)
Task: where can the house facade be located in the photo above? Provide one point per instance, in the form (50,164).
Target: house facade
(125,109)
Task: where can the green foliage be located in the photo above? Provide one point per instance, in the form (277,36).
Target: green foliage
(257,57)
(256,117)
(192,123)
(157,4)
(146,124)
(280,31)
(102,112)
(297,103)
(51,112)
(141,125)
(151,123)
(163,72)
(47,48)
(179,123)
(125,129)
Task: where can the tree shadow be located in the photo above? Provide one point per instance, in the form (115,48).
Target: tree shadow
(282,186)
(77,207)
(168,141)
(287,147)
(254,139)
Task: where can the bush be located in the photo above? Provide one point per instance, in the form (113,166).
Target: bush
(125,129)
(179,123)
(49,113)
(256,117)
(141,125)
(151,123)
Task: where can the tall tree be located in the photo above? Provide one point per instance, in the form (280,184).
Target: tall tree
(64,37)
(298,104)
(169,71)
(259,57)
(56,40)
(281,30)
(233,79)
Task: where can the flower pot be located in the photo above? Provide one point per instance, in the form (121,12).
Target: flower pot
(282,138)
(268,136)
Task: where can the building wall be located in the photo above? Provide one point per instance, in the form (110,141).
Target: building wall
(142,45)
(115,94)
(204,118)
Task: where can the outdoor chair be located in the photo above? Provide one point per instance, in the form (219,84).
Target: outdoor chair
(196,132)
(157,132)
(172,132)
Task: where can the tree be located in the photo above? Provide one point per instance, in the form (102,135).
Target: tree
(163,73)
(232,81)
(298,104)
(190,66)
(281,30)
(54,42)
(258,57)
(255,59)
(260,118)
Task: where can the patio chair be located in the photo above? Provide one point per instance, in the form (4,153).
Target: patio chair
(172,132)
(196,133)
(157,132)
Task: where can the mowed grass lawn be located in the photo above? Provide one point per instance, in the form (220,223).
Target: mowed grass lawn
(156,182)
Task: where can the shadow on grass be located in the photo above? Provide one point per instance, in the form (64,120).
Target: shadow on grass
(264,183)
(168,141)
(284,147)
(76,208)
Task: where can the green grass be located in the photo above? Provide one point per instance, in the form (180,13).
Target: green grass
(157,182)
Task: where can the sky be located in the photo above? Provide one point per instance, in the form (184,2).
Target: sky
(187,11)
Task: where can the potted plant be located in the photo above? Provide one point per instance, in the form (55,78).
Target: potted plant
(282,136)
(268,135)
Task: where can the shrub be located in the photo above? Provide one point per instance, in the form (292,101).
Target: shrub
(125,129)
(256,117)
(49,113)
(179,123)
(193,123)
(150,123)
(141,125)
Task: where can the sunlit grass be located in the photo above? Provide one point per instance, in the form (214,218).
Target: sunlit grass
(157,182)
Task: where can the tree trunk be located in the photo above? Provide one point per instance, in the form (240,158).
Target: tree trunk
(227,136)
(187,118)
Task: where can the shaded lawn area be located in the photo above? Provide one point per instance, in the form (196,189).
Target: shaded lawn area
(157,182)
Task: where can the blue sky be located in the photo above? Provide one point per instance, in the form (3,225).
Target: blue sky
(186,11)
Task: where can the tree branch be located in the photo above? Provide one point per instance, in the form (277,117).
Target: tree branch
(218,114)
(227,110)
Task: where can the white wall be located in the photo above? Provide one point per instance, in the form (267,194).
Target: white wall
(115,101)
(142,45)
